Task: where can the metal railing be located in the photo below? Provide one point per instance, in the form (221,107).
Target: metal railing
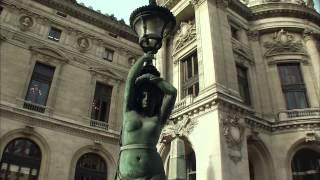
(33,106)
(98,124)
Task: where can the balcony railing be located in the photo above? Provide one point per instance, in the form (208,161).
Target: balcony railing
(183,103)
(99,124)
(295,114)
(33,106)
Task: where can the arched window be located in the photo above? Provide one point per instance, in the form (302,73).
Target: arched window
(21,159)
(191,165)
(91,166)
(306,165)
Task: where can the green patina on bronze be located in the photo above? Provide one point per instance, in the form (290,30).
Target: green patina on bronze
(148,102)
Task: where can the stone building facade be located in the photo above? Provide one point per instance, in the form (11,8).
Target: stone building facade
(248,78)
(63,70)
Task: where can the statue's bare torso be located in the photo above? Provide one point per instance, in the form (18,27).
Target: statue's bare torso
(141,161)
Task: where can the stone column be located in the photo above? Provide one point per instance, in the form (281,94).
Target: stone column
(314,55)
(264,102)
(177,163)
(215,57)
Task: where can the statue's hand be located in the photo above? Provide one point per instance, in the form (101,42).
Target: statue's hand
(147,77)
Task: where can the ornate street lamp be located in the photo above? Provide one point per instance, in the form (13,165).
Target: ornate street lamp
(148,99)
(152,23)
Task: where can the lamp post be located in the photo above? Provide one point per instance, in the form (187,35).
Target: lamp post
(148,99)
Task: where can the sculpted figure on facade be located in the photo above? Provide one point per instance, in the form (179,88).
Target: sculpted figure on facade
(25,22)
(148,102)
(284,42)
(83,44)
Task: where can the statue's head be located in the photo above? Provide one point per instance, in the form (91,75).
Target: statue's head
(149,99)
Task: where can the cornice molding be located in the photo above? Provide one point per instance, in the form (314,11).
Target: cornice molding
(87,15)
(284,10)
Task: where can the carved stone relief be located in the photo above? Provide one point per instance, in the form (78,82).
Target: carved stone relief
(284,43)
(233,133)
(185,34)
(26,22)
(312,137)
(177,129)
(83,44)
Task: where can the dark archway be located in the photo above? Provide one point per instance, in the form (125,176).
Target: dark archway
(191,164)
(21,159)
(305,165)
(91,166)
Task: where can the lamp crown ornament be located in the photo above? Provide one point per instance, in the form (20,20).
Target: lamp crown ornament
(152,23)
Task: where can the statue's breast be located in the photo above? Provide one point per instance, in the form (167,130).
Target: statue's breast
(134,122)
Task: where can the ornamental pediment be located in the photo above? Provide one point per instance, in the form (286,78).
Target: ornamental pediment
(185,35)
(284,43)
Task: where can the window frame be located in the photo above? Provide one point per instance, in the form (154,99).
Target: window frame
(291,88)
(41,78)
(22,161)
(53,37)
(108,101)
(89,171)
(247,99)
(106,53)
(193,81)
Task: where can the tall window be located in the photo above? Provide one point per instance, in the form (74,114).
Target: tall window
(91,166)
(54,34)
(191,166)
(101,102)
(305,165)
(39,87)
(242,74)
(108,54)
(21,159)
(293,86)
(190,83)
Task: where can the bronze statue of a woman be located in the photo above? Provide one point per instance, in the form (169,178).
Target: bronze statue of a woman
(148,102)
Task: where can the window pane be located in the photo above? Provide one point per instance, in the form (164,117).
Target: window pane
(40,84)
(54,34)
(243,84)
(305,165)
(290,74)
(189,68)
(293,86)
(108,54)
(91,166)
(22,159)
(195,64)
(101,102)
(196,89)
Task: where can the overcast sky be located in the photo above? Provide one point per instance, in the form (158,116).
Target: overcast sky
(120,8)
